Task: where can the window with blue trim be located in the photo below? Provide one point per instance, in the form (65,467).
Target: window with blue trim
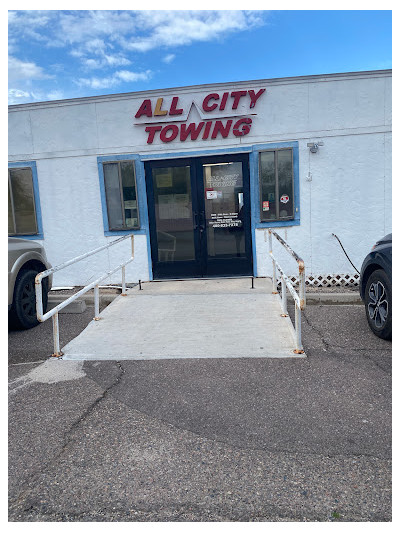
(276,185)
(121,195)
(22,216)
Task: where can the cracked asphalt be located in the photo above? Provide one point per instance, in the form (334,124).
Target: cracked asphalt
(203,440)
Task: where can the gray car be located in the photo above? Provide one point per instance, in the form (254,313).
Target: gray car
(26,259)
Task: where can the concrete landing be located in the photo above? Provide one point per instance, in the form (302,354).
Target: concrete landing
(215,318)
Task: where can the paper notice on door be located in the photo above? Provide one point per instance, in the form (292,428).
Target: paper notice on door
(225,220)
(211,195)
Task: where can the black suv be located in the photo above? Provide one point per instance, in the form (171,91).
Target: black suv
(376,287)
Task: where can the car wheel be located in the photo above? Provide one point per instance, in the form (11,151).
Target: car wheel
(23,311)
(378,304)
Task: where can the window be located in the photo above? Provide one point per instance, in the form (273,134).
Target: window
(121,197)
(22,218)
(276,185)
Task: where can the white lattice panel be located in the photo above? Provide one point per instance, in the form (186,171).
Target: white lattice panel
(328,280)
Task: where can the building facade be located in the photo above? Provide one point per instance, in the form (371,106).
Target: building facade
(198,174)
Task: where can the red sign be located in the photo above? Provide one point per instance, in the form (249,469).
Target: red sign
(206,129)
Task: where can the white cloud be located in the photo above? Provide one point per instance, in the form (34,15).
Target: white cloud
(77,52)
(55,95)
(91,63)
(19,96)
(98,58)
(24,70)
(178,28)
(16,96)
(95,45)
(28,25)
(116,79)
(169,58)
(81,26)
(115,60)
(105,61)
(126,75)
(107,40)
(96,31)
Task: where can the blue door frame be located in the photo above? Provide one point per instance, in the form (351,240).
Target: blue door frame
(204,265)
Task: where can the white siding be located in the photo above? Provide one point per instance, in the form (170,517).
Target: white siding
(350,191)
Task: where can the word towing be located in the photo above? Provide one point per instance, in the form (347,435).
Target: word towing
(206,129)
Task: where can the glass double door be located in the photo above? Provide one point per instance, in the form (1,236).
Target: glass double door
(199,213)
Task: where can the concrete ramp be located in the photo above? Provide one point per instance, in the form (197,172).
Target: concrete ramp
(213,318)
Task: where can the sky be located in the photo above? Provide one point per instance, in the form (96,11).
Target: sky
(59,54)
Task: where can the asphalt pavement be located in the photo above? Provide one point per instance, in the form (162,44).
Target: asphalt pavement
(203,439)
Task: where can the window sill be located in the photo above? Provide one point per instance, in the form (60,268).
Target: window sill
(278,223)
(110,233)
(37,237)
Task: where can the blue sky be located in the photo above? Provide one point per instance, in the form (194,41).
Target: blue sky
(68,54)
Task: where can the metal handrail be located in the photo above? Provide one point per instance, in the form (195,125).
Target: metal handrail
(299,299)
(53,313)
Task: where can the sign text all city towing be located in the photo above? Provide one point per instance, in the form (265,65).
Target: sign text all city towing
(206,129)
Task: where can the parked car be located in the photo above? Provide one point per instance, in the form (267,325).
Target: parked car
(376,287)
(26,259)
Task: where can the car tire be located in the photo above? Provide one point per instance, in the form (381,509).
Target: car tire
(23,311)
(378,304)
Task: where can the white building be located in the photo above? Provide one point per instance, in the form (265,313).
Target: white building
(198,173)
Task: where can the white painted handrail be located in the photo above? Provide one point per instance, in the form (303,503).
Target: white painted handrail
(53,313)
(299,299)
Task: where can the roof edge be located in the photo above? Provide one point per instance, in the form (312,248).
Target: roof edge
(270,81)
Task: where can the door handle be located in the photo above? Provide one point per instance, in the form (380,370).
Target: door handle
(195,220)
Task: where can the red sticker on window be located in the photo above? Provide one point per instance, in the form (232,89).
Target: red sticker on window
(284,198)
(265,206)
